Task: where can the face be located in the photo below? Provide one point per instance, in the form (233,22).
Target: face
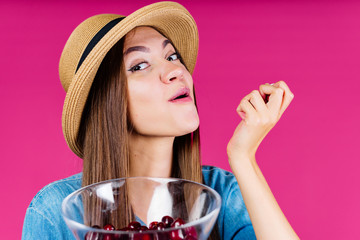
(154,76)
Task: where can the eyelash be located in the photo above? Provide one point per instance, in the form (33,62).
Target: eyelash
(133,68)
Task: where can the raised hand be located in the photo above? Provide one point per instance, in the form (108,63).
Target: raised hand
(260,111)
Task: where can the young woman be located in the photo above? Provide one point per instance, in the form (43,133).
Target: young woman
(130,110)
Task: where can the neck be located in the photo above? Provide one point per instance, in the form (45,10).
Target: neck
(151,156)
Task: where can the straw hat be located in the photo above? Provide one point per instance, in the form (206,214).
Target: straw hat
(93,38)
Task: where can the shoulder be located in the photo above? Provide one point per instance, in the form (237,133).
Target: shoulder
(217,178)
(56,191)
(43,219)
(222,181)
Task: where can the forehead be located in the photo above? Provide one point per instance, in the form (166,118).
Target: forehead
(142,35)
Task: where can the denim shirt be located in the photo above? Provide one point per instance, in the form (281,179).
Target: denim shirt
(43,219)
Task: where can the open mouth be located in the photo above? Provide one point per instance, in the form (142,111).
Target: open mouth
(182,94)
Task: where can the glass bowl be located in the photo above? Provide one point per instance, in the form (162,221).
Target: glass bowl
(145,200)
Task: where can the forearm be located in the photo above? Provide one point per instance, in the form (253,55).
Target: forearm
(268,220)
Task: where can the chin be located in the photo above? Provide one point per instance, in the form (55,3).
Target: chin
(191,127)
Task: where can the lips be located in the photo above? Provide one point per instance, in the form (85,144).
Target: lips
(181,93)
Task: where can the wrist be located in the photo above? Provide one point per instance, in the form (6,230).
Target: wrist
(241,160)
(241,156)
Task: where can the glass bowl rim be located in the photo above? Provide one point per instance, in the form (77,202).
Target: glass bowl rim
(218,201)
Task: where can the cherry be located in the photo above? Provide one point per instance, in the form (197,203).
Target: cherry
(143,237)
(162,236)
(178,222)
(153,225)
(107,237)
(92,236)
(177,235)
(160,226)
(167,220)
(109,227)
(191,231)
(121,237)
(143,229)
(139,232)
(134,225)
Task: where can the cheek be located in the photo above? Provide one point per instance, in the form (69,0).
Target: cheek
(144,100)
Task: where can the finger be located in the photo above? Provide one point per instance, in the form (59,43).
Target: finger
(288,96)
(284,86)
(246,107)
(257,101)
(275,98)
(263,95)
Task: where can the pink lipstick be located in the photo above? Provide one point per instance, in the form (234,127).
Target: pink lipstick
(182,95)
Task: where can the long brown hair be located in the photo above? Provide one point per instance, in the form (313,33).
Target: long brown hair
(105,129)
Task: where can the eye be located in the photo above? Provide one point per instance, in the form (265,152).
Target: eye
(138,67)
(174,56)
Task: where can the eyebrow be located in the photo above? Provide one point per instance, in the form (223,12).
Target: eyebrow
(144,49)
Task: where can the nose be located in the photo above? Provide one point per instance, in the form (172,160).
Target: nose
(172,72)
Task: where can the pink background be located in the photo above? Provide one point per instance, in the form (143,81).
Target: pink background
(310,158)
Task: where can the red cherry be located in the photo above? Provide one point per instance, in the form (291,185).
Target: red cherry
(167,220)
(109,227)
(153,225)
(107,237)
(142,237)
(191,231)
(122,236)
(162,236)
(177,235)
(143,229)
(147,237)
(92,236)
(139,231)
(134,225)
(178,222)
(160,226)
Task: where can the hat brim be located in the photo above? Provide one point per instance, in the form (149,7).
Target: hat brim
(170,18)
